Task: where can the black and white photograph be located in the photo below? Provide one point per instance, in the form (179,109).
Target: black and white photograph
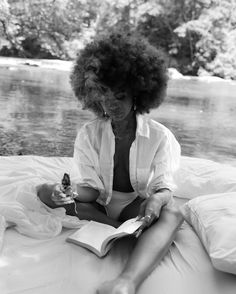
(118,146)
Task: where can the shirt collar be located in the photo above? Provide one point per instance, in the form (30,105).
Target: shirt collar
(142,126)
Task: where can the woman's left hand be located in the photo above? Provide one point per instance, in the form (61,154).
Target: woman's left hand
(151,208)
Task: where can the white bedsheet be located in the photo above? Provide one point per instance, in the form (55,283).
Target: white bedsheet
(51,265)
(19,205)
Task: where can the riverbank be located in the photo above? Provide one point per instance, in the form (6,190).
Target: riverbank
(41,63)
(178,86)
(40,115)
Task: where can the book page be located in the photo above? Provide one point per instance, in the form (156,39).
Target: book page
(93,234)
(129,227)
(100,237)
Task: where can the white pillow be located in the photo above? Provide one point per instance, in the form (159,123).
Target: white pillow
(213,218)
(198,176)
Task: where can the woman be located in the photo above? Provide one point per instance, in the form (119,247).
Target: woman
(125,159)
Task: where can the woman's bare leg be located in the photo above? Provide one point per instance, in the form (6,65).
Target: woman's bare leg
(151,247)
(91,211)
(84,211)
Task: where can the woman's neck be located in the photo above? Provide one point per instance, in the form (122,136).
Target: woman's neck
(126,127)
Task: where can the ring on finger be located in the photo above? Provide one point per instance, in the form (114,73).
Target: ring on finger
(148,218)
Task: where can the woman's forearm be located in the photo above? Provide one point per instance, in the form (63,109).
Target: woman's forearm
(153,245)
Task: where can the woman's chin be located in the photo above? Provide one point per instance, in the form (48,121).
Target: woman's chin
(117,118)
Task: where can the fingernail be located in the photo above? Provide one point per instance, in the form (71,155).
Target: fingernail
(139,232)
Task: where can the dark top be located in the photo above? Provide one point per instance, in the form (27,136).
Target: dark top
(121,179)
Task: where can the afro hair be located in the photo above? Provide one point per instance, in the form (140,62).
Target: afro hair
(123,61)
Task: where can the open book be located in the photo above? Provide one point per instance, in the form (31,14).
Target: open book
(99,237)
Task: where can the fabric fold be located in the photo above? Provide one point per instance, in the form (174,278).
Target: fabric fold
(21,209)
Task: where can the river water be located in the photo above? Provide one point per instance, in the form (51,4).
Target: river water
(39,115)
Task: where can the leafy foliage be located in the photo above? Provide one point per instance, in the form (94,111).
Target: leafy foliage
(198,36)
(214,44)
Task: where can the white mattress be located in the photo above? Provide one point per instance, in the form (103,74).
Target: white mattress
(30,265)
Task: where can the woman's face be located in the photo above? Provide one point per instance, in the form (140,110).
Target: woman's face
(117,105)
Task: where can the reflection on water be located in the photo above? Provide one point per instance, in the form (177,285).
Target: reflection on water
(40,116)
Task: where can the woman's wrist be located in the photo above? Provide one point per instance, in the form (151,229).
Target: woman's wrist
(164,194)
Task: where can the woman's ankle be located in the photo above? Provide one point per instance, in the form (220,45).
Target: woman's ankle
(130,279)
(119,285)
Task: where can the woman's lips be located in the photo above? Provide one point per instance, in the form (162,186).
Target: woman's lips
(114,112)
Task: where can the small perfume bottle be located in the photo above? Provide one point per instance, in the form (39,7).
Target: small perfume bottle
(65,182)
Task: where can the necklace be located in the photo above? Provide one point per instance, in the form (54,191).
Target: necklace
(124,129)
(124,135)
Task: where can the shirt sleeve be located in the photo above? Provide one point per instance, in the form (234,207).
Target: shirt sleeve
(86,159)
(165,164)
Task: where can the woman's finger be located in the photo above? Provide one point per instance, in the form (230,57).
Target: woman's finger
(149,218)
(62,199)
(142,209)
(153,207)
(64,202)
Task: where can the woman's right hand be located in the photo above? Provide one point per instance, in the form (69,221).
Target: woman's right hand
(61,196)
(53,195)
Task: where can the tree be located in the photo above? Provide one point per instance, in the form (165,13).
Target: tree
(49,28)
(161,28)
(6,27)
(214,31)
(4,10)
(198,36)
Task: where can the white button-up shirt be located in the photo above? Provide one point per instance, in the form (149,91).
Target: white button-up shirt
(154,157)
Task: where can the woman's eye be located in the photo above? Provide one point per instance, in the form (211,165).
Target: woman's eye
(120,96)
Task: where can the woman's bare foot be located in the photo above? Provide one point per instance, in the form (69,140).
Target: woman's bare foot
(117,286)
